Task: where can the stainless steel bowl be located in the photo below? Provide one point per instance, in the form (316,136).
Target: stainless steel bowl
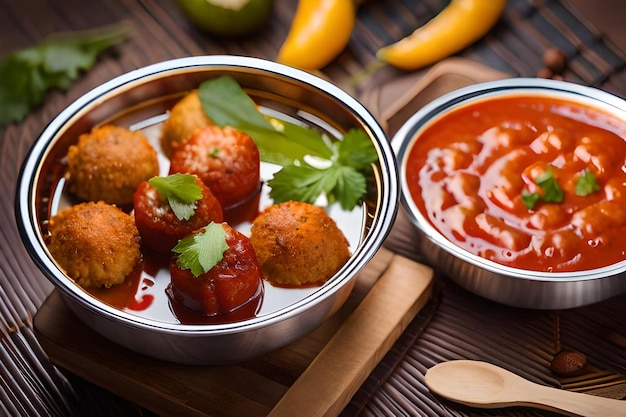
(510,286)
(141,98)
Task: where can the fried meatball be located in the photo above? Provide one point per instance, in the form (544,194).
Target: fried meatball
(108,163)
(233,282)
(298,244)
(185,119)
(159,227)
(226,159)
(96,243)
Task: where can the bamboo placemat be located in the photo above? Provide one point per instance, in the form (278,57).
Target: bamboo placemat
(30,385)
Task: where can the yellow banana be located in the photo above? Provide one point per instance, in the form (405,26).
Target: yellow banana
(458,25)
(320,31)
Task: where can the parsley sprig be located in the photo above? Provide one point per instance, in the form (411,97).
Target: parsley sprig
(180,191)
(341,176)
(342,181)
(587,184)
(26,75)
(552,192)
(203,250)
(227,104)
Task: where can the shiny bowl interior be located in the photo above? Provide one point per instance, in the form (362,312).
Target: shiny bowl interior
(508,285)
(140,100)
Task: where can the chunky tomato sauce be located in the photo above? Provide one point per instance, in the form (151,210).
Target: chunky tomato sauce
(475,172)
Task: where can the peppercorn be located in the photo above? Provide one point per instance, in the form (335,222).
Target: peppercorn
(555,60)
(568,363)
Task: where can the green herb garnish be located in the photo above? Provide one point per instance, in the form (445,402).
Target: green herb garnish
(226,104)
(340,174)
(341,181)
(26,75)
(587,184)
(180,191)
(552,192)
(203,250)
(529,199)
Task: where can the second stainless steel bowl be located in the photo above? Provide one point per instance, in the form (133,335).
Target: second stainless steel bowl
(507,285)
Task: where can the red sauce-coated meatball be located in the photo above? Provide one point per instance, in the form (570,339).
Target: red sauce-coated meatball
(226,159)
(159,227)
(235,281)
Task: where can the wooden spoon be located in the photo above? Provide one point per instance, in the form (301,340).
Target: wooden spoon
(483,385)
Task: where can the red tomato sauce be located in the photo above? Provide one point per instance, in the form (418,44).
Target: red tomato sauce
(136,294)
(468,170)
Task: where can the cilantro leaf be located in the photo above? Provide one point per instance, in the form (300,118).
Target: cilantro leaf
(18,94)
(315,143)
(552,192)
(288,144)
(529,199)
(227,104)
(356,150)
(237,110)
(306,183)
(26,75)
(351,185)
(587,184)
(343,181)
(302,183)
(180,191)
(203,250)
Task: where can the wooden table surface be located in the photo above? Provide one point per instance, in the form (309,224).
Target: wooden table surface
(590,33)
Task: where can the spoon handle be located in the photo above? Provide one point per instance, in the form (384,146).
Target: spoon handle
(574,403)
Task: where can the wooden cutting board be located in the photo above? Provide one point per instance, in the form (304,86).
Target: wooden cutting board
(314,376)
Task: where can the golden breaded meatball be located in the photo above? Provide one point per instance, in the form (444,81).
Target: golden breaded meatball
(108,163)
(298,244)
(96,243)
(185,119)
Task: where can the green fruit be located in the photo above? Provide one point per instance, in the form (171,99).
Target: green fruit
(228,17)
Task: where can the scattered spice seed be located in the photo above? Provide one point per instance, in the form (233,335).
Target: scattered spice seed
(568,363)
(555,60)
